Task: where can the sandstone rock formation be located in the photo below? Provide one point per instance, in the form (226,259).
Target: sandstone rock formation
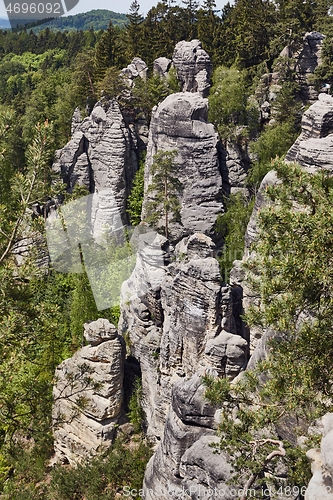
(320,486)
(161,66)
(102,157)
(312,149)
(303,59)
(180,123)
(185,462)
(193,66)
(88,394)
(181,322)
(237,164)
(307,60)
(137,68)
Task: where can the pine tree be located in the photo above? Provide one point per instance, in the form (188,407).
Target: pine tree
(134,30)
(164,188)
(191,7)
(207,27)
(105,52)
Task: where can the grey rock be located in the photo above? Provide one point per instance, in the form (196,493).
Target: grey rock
(76,120)
(170,321)
(88,395)
(197,246)
(193,67)
(320,486)
(313,151)
(307,60)
(180,123)
(312,148)
(182,429)
(302,58)
(207,473)
(237,164)
(189,403)
(227,353)
(102,157)
(137,68)
(99,331)
(161,66)
(185,460)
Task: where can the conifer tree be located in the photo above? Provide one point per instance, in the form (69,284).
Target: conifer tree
(207,27)
(105,52)
(164,189)
(191,7)
(134,30)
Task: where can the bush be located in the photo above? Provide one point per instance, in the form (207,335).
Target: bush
(232,225)
(103,476)
(274,141)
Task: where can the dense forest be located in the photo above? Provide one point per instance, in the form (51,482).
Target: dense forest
(95,19)
(44,76)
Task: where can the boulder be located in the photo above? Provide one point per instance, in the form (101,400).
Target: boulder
(88,395)
(320,486)
(161,66)
(193,66)
(312,148)
(136,68)
(180,123)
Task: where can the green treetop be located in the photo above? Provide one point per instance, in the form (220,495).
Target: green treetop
(164,189)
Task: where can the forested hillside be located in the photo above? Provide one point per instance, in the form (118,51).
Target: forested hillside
(95,19)
(45,74)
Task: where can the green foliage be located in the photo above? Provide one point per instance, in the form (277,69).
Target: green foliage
(164,189)
(99,478)
(232,226)
(286,108)
(148,93)
(83,309)
(246,29)
(289,269)
(97,19)
(134,37)
(229,107)
(136,414)
(275,140)
(292,276)
(250,414)
(135,198)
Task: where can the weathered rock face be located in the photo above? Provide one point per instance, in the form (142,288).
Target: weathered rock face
(137,68)
(313,148)
(180,323)
(161,66)
(193,66)
(237,164)
(185,462)
(303,59)
(102,157)
(321,484)
(313,151)
(307,60)
(88,394)
(180,123)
